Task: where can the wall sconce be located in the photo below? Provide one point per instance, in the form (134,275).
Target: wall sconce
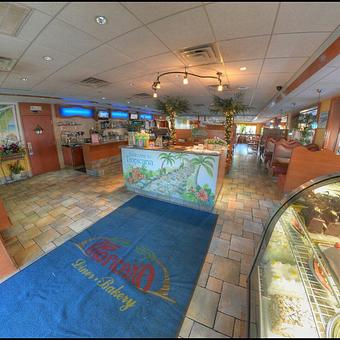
(38,130)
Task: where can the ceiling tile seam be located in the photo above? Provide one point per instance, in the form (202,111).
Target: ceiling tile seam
(308,62)
(167,16)
(41,11)
(265,54)
(30,44)
(218,47)
(244,37)
(151,31)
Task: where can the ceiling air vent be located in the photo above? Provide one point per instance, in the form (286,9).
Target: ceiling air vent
(12,17)
(94,82)
(200,55)
(6,64)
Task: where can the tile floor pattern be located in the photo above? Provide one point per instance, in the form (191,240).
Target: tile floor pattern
(49,209)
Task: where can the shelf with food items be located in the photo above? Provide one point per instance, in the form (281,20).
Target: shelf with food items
(294,283)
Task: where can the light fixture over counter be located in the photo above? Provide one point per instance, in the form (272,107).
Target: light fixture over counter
(157,83)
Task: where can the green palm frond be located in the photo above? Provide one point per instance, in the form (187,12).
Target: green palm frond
(173,104)
(208,170)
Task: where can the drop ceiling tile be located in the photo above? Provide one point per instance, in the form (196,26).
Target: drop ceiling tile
(32,27)
(66,38)
(11,47)
(103,58)
(50,8)
(282,64)
(163,62)
(241,19)
(308,17)
(83,14)
(3,75)
(130,44)
(184,30)
(269,81)
(32,60)
(243,80)
(333,77)
(14,81)
(151,11)
(253,66)
(243,49)
(295,45)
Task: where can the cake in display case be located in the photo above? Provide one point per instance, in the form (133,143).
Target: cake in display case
(294,283)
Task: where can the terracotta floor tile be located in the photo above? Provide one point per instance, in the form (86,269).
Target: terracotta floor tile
(225,269)
(224,324)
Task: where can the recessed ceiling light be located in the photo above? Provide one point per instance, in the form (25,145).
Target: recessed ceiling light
(47,58)
(101,20)
(103,98)
(243,68)
(146,106)
(131,84)
(128,102)
(243,87)
(24,79)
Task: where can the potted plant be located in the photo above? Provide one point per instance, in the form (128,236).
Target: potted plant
(16,169)
(229,107)
(172,106)
(10,150)
(216,143)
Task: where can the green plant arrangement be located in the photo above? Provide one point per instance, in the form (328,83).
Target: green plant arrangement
(16,167)
(229,107)
(305,122)
(216,141)
(172,106)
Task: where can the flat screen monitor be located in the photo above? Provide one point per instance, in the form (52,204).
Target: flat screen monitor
(133,115)
(119,115)
(103,114)
(146,116)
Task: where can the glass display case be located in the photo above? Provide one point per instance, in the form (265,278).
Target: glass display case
(294,282)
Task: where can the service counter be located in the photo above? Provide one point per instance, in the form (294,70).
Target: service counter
(178,175)
(103,158)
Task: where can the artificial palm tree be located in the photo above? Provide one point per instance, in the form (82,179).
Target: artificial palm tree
(206,162)
(171,106)
(229,108)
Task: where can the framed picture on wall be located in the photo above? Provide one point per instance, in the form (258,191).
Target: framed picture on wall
(323,120)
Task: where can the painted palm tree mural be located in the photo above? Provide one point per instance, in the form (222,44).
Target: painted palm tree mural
(182,157)
(206,162)
(167,159)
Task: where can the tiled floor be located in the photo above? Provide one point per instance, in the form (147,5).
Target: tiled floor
(49,209)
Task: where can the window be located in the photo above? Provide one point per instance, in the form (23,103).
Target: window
(9,129)
(246,129)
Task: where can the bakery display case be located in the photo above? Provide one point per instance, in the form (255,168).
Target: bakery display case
(294,282)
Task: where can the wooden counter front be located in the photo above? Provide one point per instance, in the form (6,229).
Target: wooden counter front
(103,158)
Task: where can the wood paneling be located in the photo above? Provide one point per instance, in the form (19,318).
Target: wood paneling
(24,109)
(94,152)
(333,125)
(305,165)
(73,156)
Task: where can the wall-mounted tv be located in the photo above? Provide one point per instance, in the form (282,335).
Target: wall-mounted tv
(103,114)
(75,111)
(119,115)
(133,115)
(146,116)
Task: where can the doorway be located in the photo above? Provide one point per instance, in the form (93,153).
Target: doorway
(39,137)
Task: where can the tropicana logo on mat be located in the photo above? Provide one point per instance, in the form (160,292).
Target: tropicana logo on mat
(146,273)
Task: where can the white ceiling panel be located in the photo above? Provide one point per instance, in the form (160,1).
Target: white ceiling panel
(333,77)
(130,44)
(36,22)
(66,38)
(282,64)
(14,81)
(151,11)
(32,61)
(243,49)
(253,66)
(11,47)
(244,80)
(335,62)
(103,58)
(83,16)
(295,45)
(269,81)
(50,8)
(308,17)
(242,19)
(184,30)
(163,62)
(3,75)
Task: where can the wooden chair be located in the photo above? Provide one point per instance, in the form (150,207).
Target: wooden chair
(305,165)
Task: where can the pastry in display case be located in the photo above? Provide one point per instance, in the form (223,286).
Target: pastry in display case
(294,283)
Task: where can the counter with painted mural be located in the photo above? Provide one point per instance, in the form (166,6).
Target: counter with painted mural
(187,178)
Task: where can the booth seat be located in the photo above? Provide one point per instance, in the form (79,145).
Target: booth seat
(305,165)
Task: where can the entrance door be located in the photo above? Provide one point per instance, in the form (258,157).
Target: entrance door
(41,146)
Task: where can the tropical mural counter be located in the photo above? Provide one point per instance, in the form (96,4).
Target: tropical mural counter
(185,178)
